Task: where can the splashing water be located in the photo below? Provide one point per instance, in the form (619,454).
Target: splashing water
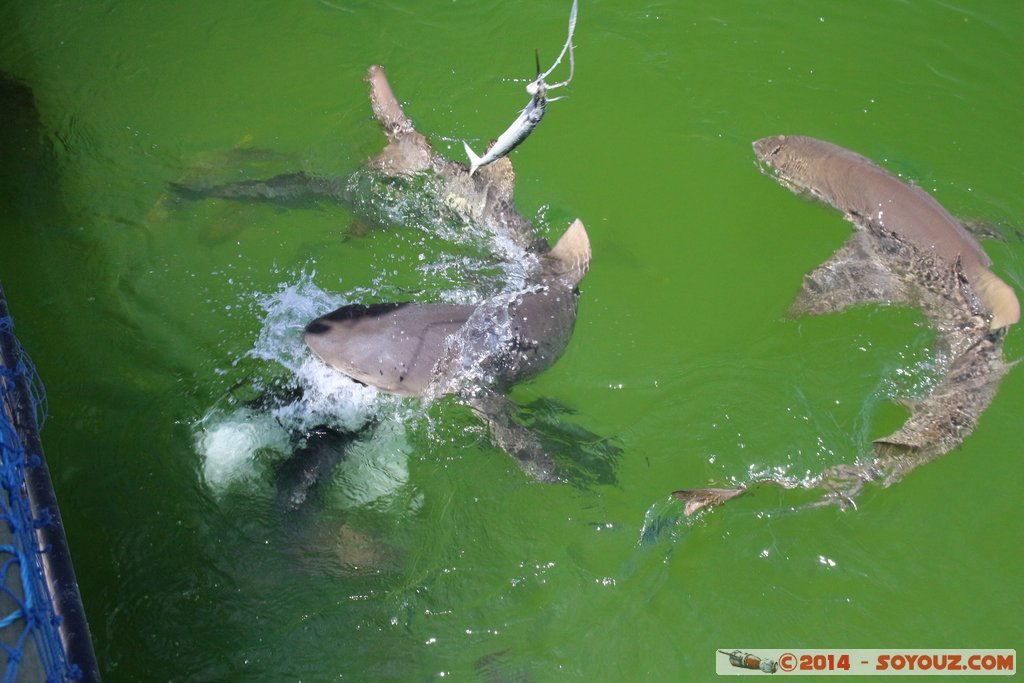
(464,256)
(229,445)
(286,313)
(233,441)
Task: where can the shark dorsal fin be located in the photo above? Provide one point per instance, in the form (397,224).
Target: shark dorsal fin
(570,257)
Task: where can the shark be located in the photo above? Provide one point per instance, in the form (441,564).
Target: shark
(906,249)
(407,171)
(474,351)
(419,349)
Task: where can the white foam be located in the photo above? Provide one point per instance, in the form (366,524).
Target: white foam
(329,398)
(235,444)
(229,445)
(286,313)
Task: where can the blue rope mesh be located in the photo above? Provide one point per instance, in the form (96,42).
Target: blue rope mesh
(29,627)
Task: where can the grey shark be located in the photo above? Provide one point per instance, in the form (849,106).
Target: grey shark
(423,349)
(474,351)
(907,250)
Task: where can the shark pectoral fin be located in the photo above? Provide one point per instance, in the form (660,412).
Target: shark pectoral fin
(695,500)
(408,151)
(910,404)
(899,443)
(853,275)
(901,452)
(496,411)
(998,297)
(386,107)
(393,347)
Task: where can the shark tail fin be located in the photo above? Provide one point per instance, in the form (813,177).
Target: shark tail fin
(386,107)
(998,297)
(408,151)
(474,160)
(570,256)
(698,499)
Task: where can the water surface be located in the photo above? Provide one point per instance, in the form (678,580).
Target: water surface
(429,554)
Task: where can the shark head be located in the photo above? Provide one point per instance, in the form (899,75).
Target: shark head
(775,154)
(405,348)
(801,164)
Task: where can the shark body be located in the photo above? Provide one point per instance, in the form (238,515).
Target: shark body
(424,349)
(906,249)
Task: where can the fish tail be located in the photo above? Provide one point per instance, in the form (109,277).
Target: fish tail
(474,160)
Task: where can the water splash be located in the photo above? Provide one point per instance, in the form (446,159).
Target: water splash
(234,439)
(230,443)
(285,314)
(458,258)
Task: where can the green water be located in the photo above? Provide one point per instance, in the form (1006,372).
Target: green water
(140,311)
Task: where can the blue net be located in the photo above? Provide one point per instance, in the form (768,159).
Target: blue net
(34,635)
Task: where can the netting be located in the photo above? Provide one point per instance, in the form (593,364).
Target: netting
(43,634)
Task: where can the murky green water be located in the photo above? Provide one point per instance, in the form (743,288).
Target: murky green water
(141,311)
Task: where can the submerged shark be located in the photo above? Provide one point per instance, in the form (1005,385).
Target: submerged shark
(908,250)
(474,351)
(408,174)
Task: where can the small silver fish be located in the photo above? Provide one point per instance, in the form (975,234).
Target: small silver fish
(533,112)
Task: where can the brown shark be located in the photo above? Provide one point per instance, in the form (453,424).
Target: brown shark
(879,203)
(906,249)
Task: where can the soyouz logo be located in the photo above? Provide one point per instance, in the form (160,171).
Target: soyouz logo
(935,662)
(745,660)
